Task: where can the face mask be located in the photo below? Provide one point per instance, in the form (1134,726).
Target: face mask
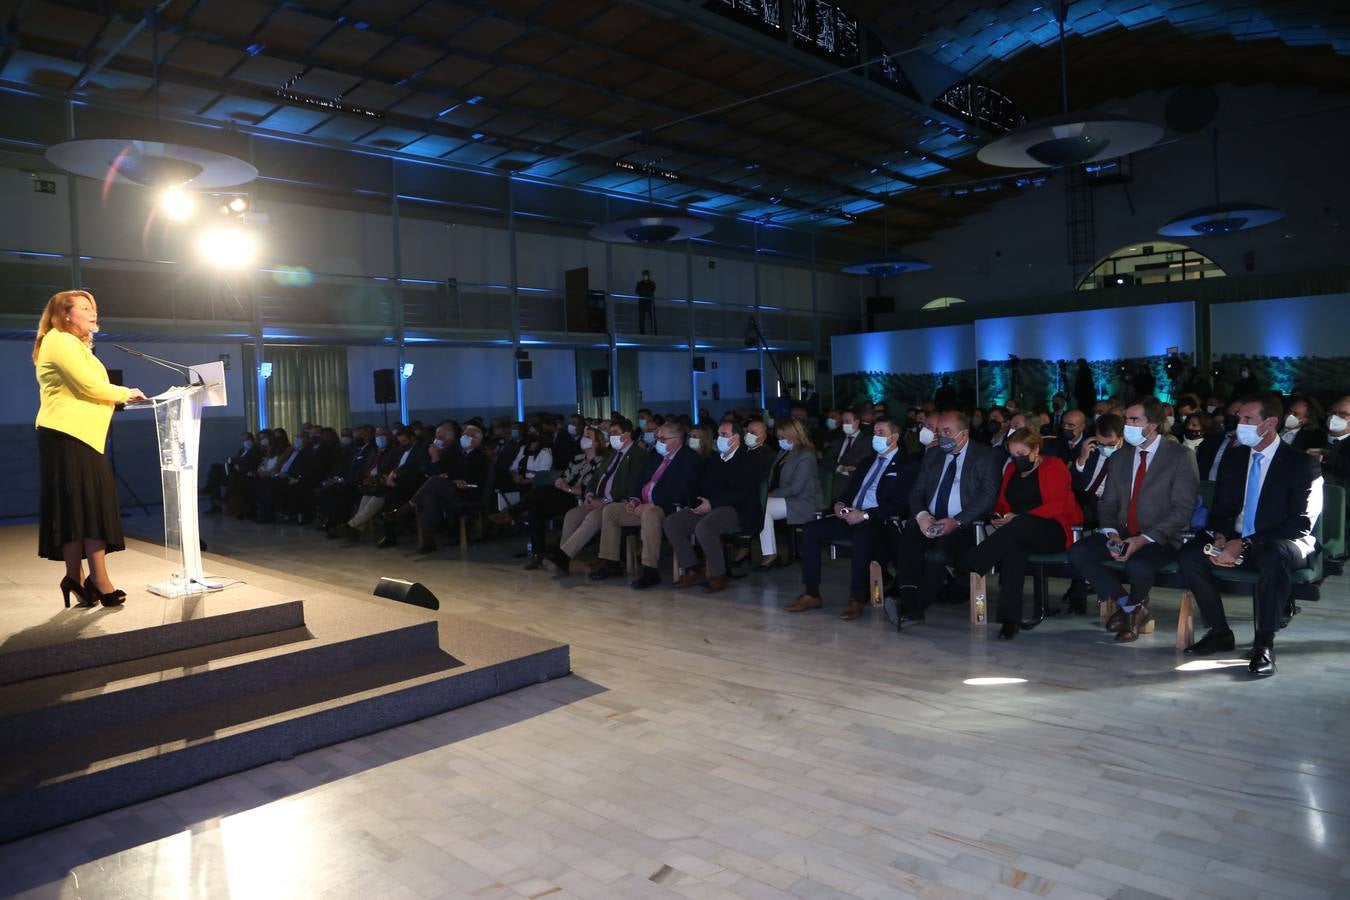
(1134,435)
(768,423)
(784,444)
(1168,422)
(1248,435)
(264,443)
(723,443)
(572,430)
(1106,451)
(1246,373)
(850,429)
(1291,421)
(976,422)
(1022,463)
(298,443)
(438,444)
(993,426)
(695,442)
(587,443)
(1193,442)
(616,442)
(642,422)
(926,435)
(1230,424)
(345,440)
(662,449)
(248,445)
(1337,423)
(381,441)
(465,441)
(947,444)
(831,424)
(1210,409)
(515,434)
(751,440)
(649,437)
(880,444)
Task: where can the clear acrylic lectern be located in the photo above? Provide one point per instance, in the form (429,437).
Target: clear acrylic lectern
(178,420)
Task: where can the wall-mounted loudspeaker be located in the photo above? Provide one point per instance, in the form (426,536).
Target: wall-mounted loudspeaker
(386,388)
(524,369)
(700,364)
(599,382)
(752,381)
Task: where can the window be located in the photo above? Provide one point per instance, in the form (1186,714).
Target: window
(1155,262)
(942,303)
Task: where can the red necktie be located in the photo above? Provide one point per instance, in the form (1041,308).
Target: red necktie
(1097,482)
(1132,516)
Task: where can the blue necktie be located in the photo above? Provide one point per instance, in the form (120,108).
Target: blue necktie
(944,491)
(871,477)
(1253,495)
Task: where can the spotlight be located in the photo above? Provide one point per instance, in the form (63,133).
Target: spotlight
(991,680)
(177,205)
(227,248)
(265,369)
(238,204)
(407,370)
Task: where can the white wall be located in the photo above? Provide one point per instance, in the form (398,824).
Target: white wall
(920,351)
(1296,326)
(995,256)
(1121,333)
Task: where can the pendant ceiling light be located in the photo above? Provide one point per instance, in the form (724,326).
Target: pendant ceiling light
(651,226)
(886,264)
(1219,219)
(1069,139)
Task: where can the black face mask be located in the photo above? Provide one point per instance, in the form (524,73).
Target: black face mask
(1194,435)
(1230,423)
(993,426)
(1022,463)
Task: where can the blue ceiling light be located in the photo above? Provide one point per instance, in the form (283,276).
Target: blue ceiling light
(887,266)
(1221,219)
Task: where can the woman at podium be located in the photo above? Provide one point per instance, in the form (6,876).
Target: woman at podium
(80,517)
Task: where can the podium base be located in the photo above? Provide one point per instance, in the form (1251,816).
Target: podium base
(176,588)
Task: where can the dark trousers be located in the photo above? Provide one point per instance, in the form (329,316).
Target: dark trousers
(269,494)
(1088,558)
(1276,561)
(868,539)
(1008,548)
(646,309)
(335,501)
(912,567)
(537,507)
(438,498)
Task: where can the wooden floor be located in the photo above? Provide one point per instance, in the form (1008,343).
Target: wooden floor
(719,747)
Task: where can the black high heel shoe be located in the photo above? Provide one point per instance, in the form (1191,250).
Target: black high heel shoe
(1008,631)
(112,598)
(72,586)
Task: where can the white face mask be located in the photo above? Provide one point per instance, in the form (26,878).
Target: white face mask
(264,443)
(381,441)
(1210,409)
(751,440)
(661,448)
(1134,435)
(1291,421)
(465,441)
(784,444)
(572,430)
(926,435)
(1337,423)
(649,438)
(768,422)
(248,445)
(850,429)
(1192,443)
(438,444)
(695,442)
(587,443)
(723,443)
(616,442)
(831,424)
(1248,435)
(1106,451)
(345,440)
(1168,422)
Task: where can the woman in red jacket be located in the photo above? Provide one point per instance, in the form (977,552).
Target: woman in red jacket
(1035,513)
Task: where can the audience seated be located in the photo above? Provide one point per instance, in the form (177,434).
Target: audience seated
(851,445)
(544,501)
(1301,428)
(726,498)
(338,493)
(1335,455)
(377,480)
(533,455)
(668,480)
(620,478)
(1088,474)
(703,441)
(1147,503)
(453,492)
(1070,436)
(1035,513)
(274,491)
(823,435)
(793,489)
(1266,500)
(757,447)
(1209,455)
(956,487)
(1193,431)
(877,491)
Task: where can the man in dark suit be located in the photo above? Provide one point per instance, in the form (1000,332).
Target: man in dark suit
(668,480)
(1336,455)
(1150,492)
(1087,474)
(454,491)
(1209,455)
(646,292)
(337,494)
(1265,503)
(1300,431)
(877,490)
(957,485)
(1072,433)
(810,400)
(726,498)
(621,478)
(851,446)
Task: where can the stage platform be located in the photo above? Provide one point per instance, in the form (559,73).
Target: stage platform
(101,708)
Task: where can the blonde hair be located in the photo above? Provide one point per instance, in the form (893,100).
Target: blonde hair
(1027,437)
(793,430)
(54,316)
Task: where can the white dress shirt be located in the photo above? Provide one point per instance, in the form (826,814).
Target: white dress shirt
(957,459)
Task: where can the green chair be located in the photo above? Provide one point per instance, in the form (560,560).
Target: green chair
(1333,529)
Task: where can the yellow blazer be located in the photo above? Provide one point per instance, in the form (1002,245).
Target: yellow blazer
(76,396)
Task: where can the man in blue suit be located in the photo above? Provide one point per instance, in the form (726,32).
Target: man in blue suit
(670,479)
(878,490)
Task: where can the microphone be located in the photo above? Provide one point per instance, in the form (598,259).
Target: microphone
(176,367)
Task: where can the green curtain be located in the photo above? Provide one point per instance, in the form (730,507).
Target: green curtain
(308,384)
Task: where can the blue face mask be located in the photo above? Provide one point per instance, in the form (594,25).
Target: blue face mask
(831,424)
(784,444)
(642,422)
(649,438)
(515,434)
(662,449)
(880,444)
(723,443)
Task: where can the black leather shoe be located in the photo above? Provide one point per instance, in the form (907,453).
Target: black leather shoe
(1009,631)
(386,542)
(1213,642)
(1263,661)
(649,578)
(607,569)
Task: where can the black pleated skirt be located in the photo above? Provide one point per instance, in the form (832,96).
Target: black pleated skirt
(78,496)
